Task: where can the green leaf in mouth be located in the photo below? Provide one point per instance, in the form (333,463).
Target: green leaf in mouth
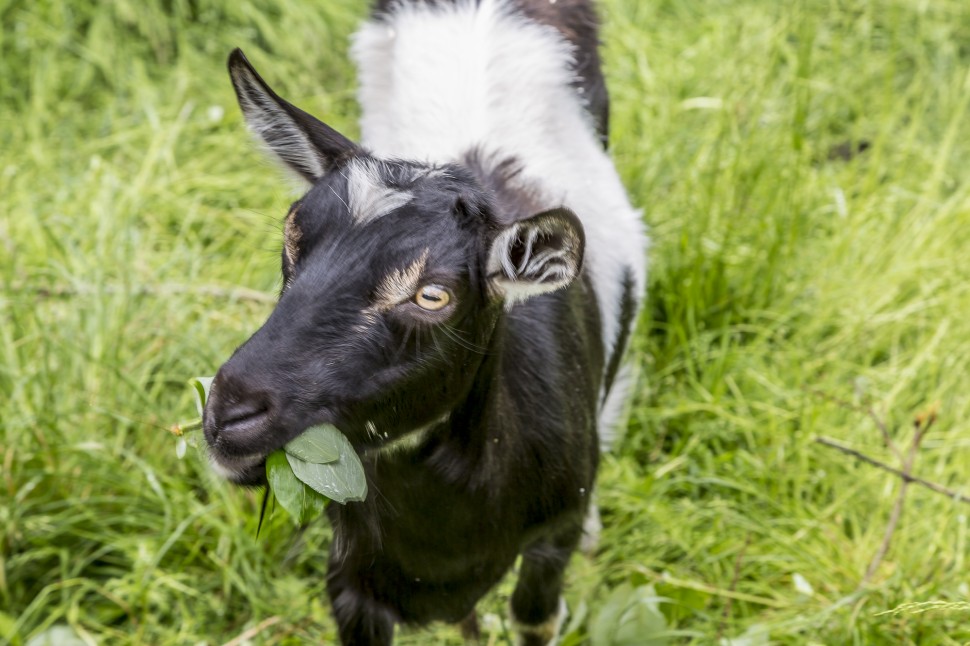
(317,444)
(342,480)
(299,500)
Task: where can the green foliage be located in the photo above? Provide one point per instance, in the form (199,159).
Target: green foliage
(341,479)
(299,500)
(630,617)
(318,462)
(317,445)
(797,282)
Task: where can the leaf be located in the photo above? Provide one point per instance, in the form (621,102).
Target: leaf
(573,634)
(802,586)
(202,386)
(342,480)
(284,485)
(630,617)
(57,635)
(317,444)
(756,635)
(300,501)
(8,630)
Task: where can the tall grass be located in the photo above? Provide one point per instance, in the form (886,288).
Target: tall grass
(796,283)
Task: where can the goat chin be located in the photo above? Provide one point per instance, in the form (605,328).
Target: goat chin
(247,471)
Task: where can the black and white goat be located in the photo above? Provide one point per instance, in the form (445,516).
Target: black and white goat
(458,294)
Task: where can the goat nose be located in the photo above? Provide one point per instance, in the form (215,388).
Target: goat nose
(235,409)
(244,414)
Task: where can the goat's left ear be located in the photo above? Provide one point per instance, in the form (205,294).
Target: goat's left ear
(302,142)
(537,255)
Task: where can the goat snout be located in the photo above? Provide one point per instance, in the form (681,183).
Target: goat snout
(238,424)
(238,415)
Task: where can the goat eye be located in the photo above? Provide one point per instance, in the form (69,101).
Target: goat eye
(432,297)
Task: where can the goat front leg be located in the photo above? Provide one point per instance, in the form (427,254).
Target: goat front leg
(538,609)
(361,620)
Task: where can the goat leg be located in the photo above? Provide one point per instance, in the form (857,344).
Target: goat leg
(538,609)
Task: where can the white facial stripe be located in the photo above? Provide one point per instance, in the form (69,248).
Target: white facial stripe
(369,198)
(400,285)
(291,237)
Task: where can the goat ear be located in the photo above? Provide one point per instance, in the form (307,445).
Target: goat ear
(302,142)
(537,255)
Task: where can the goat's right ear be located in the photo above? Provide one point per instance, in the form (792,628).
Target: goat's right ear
(302,142)
(537,255)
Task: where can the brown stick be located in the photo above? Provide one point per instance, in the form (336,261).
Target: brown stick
(932,486)
(255,630)
(869,411)
(921,426)
(886,437)
(897,511)
(734,584)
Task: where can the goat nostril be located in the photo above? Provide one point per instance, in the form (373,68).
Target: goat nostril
(240,417)
(244,415)
(243,411)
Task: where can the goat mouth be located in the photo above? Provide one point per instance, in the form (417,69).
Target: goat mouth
(247,471)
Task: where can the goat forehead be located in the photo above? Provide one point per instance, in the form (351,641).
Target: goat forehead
(367,189)
(375,189)
(398,249)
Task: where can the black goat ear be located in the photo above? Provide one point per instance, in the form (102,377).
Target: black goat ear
(537,255)
(302,142)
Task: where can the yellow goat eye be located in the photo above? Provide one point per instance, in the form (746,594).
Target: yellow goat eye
(432,298)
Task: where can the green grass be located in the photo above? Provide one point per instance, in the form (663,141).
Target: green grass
(789,291)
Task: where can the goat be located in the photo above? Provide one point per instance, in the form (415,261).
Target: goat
(458,292)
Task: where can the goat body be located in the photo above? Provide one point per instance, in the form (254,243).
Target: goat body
(460,316)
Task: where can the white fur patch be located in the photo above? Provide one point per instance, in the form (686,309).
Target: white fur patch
(436,81)
(548,631)
(241,465)
(291,236)
(368,197)
(405,442)
(400,284)
(615,410)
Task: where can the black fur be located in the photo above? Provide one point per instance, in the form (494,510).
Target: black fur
(503,401)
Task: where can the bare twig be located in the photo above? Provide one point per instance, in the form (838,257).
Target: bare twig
(886,437)
(868,411)
(734,584)
(255,630)
(932,486)
(897,511)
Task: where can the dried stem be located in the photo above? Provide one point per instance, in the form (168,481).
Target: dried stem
(868,411)
(921,427)
(932,486)
(255,630)
(886,438)
(734,584)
